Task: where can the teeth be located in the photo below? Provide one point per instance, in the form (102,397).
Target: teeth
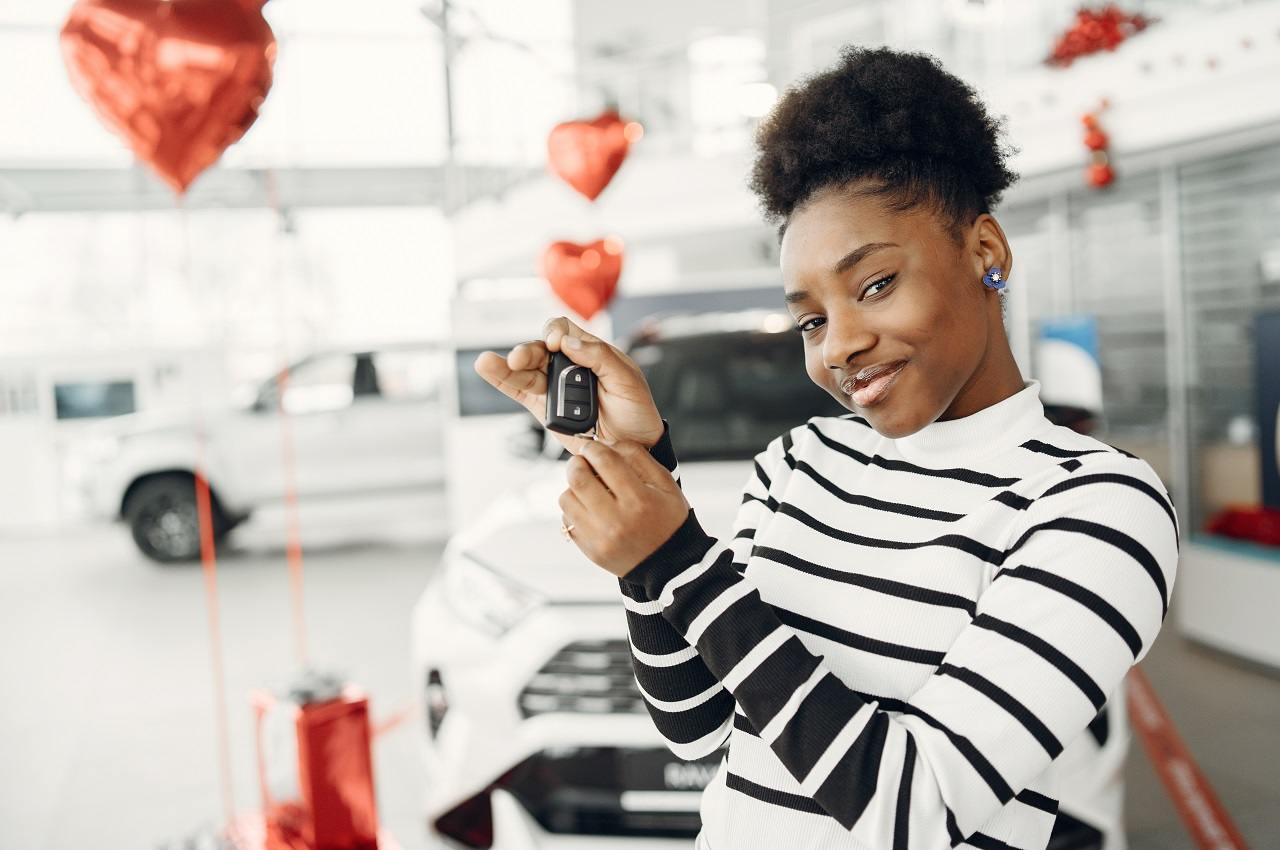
(871,376)
(850,387)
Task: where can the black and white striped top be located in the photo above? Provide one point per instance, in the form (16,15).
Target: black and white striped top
(898,638)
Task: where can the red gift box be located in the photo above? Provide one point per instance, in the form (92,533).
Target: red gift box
(1258,524)
(315,767)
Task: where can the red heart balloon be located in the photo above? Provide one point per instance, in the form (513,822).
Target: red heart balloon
(181,80)
(585,277)
(586,154)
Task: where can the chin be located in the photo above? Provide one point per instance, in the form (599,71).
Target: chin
(889,423)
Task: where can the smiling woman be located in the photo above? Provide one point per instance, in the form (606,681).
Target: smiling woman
(882,174)
(924,601)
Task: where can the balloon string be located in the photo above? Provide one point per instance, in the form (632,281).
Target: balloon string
(293,547)
(209,566)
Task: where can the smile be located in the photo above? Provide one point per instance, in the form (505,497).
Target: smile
(875,391)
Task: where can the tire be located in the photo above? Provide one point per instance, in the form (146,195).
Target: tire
(162,517)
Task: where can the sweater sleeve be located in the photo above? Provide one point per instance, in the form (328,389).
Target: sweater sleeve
(691,710)
(1079,596)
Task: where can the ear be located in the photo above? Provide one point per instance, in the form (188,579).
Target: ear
(989,246)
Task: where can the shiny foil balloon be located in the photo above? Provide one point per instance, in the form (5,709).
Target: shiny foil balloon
(586,154)
(584,277)
(180,80)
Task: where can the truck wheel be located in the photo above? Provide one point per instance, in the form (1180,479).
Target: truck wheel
(162,517)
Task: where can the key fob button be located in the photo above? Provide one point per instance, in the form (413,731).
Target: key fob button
(577,378)
(579,394)
(576,411)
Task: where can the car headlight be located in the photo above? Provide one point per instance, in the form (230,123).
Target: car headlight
(485,598)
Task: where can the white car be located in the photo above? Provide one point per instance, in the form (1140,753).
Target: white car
(359,422)
(534,733)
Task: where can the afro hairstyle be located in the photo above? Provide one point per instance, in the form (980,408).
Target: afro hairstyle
(894,123)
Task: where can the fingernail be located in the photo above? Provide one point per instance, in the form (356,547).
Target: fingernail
(571,342)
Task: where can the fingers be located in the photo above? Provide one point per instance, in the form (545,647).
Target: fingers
(645,465)
(583,481)
(522,373)
(555,328)
(529,355)
(522,385)
(573,509)
(622,469)
(594,353)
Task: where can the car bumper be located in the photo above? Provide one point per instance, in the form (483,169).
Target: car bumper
(516,829)
(484,735)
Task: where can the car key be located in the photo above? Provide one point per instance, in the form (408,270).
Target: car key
(571,396)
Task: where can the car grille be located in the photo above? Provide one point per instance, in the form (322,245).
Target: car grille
(583,791)
(585,677)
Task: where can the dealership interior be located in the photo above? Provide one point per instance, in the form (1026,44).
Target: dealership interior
(281,568)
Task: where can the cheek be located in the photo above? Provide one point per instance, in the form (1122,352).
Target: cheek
(926,322)
(818,373)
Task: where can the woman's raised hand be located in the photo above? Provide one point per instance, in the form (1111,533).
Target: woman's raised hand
(626,407)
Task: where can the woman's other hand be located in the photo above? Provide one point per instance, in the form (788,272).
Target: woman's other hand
(626,407)
(623,504)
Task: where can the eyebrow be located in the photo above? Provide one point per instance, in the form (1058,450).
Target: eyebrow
(846,262)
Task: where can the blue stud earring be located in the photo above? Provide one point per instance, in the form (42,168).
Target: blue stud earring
(994,278)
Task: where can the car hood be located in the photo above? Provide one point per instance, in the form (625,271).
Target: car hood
(519,537)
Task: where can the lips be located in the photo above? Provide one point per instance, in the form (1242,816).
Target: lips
(870,392)
(851,384)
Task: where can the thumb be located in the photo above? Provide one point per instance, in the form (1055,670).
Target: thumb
(595,354)
(645,465)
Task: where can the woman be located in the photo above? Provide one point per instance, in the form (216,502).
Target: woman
(922,602)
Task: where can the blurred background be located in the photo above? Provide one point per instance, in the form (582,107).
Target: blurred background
(294,324)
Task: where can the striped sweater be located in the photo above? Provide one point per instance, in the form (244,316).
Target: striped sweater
(897,638)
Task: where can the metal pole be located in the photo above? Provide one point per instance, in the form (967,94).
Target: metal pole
(1182,377)
(450,164)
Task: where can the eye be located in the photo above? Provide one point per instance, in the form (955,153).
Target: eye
(803,327)
(885,280)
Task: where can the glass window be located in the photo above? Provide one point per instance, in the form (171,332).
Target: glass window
(727,395)
(409,374)
(320,383)
(1094,259)
(89,399)
(1230,222)
(18,396)
(1118,279)
(476,397)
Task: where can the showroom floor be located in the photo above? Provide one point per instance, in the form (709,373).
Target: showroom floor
(107,725)
(1228,713)
(108,736)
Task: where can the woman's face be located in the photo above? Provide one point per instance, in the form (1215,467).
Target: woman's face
(871,286)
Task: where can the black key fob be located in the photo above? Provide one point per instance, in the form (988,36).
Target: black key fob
(571,396)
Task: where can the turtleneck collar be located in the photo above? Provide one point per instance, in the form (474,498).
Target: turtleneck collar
(1003,425)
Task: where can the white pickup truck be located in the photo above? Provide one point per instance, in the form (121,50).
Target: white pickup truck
(360,422)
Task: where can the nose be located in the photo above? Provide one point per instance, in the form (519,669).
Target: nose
(845,338)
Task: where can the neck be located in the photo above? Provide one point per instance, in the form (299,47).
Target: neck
(996,378)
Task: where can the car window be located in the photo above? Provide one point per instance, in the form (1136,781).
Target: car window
(476,396)
(319,383)
(409,375)
(727,395)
